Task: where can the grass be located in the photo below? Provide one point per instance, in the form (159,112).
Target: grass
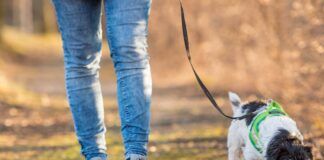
(22,43)
(64,147)
(32,130)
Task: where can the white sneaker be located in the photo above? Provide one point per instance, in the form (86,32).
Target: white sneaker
(97,158)
(136,157)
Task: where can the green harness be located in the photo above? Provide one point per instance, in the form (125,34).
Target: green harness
(273,109)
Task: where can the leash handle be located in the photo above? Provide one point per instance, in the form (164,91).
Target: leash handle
(200,82)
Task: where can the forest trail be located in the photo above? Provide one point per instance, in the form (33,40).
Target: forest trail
(183,124)
(257,48)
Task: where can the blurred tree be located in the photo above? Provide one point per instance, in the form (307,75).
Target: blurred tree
(49,21)
(34,16)
(26,15)
(38,16)
(15,12)
(1,18)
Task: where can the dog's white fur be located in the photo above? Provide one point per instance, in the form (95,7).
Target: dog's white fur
(238,142)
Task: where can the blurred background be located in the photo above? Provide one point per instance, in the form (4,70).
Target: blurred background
(257,48)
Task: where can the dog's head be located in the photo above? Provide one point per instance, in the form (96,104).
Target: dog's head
(285,146)
(243,108)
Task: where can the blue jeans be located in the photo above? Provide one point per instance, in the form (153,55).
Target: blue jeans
(127,28)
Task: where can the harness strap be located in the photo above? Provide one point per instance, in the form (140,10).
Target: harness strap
(273,109)
(200,82)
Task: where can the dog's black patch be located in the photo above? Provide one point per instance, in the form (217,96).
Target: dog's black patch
(284,146)
(251,107)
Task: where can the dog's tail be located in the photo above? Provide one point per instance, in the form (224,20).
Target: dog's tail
(235,101)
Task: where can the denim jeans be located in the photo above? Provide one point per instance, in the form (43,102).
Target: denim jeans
(127,27)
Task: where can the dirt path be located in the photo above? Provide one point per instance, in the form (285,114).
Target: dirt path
(184,126)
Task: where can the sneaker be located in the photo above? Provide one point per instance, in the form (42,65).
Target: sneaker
(97,158)
(136,157)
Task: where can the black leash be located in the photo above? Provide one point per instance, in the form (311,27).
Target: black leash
(201,84)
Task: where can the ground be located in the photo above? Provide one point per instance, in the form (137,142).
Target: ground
(35,122)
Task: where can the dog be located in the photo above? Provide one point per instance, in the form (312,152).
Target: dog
(270,134)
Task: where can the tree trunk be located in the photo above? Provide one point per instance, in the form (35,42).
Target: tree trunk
(49,21)
(26,15)
(1,19)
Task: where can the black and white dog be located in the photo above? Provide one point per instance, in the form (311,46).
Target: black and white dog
(268,135)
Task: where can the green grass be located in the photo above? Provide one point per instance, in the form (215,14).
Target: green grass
(65,147)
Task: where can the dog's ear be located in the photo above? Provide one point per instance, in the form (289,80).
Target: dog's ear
(277,151)
(235,99)
(308,149)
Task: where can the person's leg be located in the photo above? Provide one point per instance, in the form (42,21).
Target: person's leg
(80,26)
(127,29)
